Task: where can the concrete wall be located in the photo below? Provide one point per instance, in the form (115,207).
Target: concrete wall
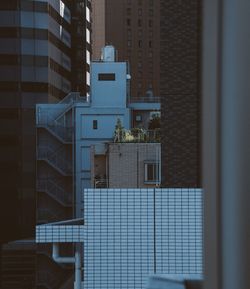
(126,163)
(109,93)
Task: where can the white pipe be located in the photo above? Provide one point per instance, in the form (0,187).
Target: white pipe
(58,259)
(78,269)
(70,260)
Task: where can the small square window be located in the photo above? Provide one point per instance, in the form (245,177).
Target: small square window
(95,124)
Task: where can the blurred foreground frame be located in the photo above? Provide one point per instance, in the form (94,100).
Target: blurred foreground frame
(226,143)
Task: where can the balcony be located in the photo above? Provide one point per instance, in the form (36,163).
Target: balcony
(138,136)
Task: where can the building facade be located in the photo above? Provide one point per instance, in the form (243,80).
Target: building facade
(129,235)
(74,137)
(134,29)
(44,54)
(38,65)
(134,165)
(180,84)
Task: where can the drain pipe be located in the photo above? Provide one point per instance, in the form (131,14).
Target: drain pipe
(70,260)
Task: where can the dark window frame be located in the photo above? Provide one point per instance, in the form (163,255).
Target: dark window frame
(95,124)
(106,77)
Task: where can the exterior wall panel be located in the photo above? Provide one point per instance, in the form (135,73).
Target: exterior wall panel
(180,92)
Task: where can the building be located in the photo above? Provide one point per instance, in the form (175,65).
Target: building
(134,29)
(72,140)
(36,64)
(134,165)
(131,234)
(180,91)
(39,63)
(18,262)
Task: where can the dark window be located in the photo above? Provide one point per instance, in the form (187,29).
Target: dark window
(128,22)
(95,124)
(151,172)
(106,76)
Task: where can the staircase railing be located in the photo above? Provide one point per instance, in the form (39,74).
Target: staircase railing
(55,159)
(55,190)
(48,215)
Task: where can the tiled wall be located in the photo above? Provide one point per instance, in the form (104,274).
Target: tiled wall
(133,233)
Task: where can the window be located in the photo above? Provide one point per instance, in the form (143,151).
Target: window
(139,22)
(106,76)
(95,124)
(138,118)
(151,172)
(128,22)
(140,12)
(150,23)
(139,43)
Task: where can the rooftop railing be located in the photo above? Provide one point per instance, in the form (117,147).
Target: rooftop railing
(146,99)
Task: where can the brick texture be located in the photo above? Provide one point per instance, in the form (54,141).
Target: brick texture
(180,92)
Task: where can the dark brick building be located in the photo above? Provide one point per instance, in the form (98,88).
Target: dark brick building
(180,92)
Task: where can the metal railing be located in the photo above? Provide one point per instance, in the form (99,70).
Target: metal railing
(64,132)
(101,183)
(154,99)
(55,159)
(73,97)
(55,190)
(49,215)
(47,119)
(140,136)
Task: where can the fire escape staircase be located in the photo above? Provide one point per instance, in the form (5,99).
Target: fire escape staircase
(55,191)
(55,159)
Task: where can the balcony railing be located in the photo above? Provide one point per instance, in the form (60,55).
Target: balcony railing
(101,183)
(154,99)
(138,136)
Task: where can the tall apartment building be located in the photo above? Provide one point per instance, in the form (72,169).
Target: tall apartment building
(180,92)
(38,64)
(133,27)
(44,54)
